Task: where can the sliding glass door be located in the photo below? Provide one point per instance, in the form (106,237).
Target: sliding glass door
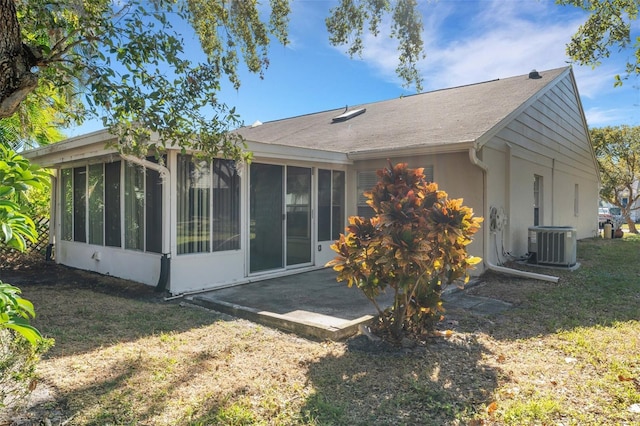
(298,215)
(280,217)
(266,249)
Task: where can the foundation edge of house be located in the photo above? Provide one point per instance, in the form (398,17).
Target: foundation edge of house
(298,325)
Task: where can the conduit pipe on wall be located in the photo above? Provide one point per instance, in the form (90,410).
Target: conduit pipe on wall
(487,232)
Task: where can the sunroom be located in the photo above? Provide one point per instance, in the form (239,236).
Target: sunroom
(184,224)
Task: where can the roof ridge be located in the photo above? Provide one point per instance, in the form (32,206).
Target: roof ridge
(361,105)
(486,81)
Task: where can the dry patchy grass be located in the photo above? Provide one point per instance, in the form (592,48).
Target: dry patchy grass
(566,353)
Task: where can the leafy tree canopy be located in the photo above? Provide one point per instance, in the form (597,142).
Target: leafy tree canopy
(618,153)
(607,28)
(349,21)
(126,61)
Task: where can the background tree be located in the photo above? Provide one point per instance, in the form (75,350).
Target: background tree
(607,28)
(415,244)
(618,153)
(36,122)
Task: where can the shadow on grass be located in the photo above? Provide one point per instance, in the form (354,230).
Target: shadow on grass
(450,381)
(360,387)
(84,311)
(368,386)
(447,382)
(125,396)
(605,290)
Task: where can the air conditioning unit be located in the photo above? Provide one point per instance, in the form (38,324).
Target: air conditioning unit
(552,245)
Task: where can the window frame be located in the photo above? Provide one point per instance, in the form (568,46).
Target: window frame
(79,226)
(209,214)
(335,223)
(363,183)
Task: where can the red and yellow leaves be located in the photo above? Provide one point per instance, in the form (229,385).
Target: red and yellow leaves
(415,243)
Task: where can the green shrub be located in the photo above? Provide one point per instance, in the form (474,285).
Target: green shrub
(20,343)
(18,360)
(416,243)
(15,313)
(17,176)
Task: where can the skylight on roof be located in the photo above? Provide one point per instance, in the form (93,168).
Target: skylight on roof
(347,115)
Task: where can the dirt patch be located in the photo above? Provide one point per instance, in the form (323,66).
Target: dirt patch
(508,288)
(30,270)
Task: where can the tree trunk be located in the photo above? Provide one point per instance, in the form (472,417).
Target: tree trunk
(16,61)
(400,304)
(632,226)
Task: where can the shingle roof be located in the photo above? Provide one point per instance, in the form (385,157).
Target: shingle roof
(442,117)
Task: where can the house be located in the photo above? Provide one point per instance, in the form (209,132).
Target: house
(516,150)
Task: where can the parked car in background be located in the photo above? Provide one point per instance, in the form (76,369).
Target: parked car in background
(612,215)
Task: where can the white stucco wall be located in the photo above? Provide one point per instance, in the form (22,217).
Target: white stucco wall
(128,264)
(193,272)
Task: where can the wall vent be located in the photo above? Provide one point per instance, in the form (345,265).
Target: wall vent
(552,245)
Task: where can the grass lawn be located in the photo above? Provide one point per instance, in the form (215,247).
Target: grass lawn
(565,354)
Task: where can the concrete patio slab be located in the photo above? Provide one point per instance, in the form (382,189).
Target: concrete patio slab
(484,306)
(314,304)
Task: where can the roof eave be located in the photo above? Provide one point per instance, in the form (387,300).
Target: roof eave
(277,151)
(444,148)
(73,149)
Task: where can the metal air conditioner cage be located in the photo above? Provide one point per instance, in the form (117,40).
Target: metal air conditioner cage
(552,245)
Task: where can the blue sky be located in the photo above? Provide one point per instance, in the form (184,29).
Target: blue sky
(467,41)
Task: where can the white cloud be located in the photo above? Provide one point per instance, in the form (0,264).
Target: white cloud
(305,20)
(470,42)
(597,117)
(594,82)
(497,39)
(505,39)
